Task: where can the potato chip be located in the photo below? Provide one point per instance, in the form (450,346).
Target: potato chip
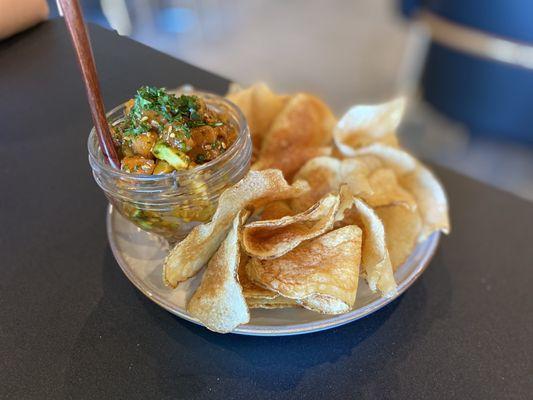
(358,213)
(249,288)
(372,163)
(346,198)
(254,190)
(276,302)
(363,125)
(355,174)
(326,174)
(276,210)
(257,296)
(431,200)
(324,304)
(376,185)
(402,229)
(219,302)
(324,269)
(273,238)
(375,261)
(323,176)
(386,190)
(300,132)
(381,156)
(417,180)
(260,106)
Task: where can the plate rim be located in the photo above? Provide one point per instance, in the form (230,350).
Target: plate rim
(431,243)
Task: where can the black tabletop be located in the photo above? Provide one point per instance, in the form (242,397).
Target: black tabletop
(72,326)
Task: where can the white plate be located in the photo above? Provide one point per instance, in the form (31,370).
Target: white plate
(140,255)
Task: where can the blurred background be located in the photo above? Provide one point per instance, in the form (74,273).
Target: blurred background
(467,65)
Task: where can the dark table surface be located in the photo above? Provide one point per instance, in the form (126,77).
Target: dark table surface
(72,326)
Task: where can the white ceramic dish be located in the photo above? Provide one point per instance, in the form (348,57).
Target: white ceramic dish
(140,255)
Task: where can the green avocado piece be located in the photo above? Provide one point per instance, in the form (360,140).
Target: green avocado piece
(137,213)
(174,157)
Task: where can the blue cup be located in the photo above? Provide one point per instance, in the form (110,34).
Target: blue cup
(479,67)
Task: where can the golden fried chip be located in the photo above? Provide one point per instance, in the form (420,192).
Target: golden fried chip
(376,185)
(346,199)
(326,174)
(417,180)
(323,176)
(372,163)
(273,238)
(402,229)
(276,210)
(366,124)
(219,302)
(387,191)
(249,288)
(323,270)
(375,261)
(276,302)
(381,156)
(300,132)
(257,296)
(431,200)
(324,304)
(260,106)
(254,190)
(355,173)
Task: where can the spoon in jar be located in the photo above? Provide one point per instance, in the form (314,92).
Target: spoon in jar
(80,39)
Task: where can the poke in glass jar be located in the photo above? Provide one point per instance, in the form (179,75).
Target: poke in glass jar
(179,151)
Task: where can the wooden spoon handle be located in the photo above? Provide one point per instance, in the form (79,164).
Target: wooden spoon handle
(80,39)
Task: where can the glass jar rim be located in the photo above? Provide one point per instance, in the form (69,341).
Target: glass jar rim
(96,156)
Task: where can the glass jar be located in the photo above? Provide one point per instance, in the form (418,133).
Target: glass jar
(170,205)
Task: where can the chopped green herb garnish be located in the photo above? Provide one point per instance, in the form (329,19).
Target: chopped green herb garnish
(161,127)
(182,112)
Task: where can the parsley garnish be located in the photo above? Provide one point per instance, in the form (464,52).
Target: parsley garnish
(182,112)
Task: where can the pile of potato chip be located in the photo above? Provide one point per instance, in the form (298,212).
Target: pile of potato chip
(325,202)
